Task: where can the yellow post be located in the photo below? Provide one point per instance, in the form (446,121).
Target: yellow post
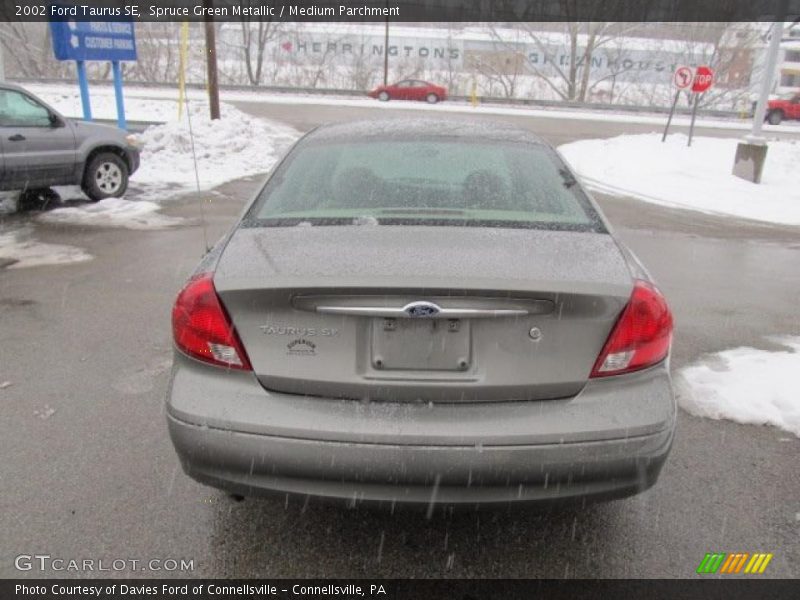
(473,97)
(184,48)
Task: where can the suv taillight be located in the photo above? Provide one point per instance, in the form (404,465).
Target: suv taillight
(202,329)
(641,337)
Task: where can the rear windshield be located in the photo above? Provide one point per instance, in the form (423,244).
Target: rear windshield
(438,182)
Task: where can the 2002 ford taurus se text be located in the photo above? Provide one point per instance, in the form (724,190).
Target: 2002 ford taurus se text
(423,312)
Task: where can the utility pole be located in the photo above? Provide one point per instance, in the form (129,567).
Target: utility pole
(2,64)
(386,53)
(751,154)
(769,77)
(211,62)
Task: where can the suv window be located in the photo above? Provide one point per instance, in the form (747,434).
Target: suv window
(20,110)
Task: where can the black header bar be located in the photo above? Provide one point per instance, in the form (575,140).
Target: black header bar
(734,588)
(403,10)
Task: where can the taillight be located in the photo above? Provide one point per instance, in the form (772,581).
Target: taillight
(641,337)
(201,327)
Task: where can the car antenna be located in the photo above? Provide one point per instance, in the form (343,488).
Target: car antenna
(197,178)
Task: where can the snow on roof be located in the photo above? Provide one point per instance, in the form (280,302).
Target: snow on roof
(424,128)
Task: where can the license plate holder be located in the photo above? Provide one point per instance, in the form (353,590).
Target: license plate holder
(421,344)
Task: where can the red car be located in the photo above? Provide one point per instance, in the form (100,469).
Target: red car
(410,89)
(785,107)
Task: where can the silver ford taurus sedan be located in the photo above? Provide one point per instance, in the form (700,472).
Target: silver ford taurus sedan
(426,311)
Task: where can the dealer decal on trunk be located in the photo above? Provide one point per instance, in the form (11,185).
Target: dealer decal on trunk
(301,347)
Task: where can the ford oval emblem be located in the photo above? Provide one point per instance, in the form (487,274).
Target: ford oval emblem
(421,309)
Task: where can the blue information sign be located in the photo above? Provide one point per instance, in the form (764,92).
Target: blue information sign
(93,40)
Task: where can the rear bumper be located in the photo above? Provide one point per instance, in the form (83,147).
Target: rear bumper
(456,454)
(251,464)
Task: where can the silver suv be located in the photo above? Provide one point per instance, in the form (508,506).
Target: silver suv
(40,148)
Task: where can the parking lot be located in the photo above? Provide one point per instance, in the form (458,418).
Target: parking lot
(90,471)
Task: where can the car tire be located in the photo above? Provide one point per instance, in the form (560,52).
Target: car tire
(37,199)
(775,117)
(432,98)
(383,96)
(106,176)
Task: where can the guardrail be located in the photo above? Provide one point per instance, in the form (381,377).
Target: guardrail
(490,100)
(132,126)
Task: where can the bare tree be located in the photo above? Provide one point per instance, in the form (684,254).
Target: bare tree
(730,49)
(28,51)
(608,87)
(730,52)
(567,71)
(502,65)
(361,70)
(310,63)
(157,49)
(451,74)
(255,36)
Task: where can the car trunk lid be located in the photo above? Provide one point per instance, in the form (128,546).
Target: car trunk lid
(426,314)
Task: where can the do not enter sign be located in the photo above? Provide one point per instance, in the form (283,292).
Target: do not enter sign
(703,78)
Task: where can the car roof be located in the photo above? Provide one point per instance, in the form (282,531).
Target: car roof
(12,86)
(423,128)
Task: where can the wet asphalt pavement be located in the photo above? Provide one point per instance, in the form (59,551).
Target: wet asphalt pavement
(88,470)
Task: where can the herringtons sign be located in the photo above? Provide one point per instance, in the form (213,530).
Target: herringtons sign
(630,59)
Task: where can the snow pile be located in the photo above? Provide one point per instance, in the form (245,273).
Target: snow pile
(747,385)
(696,178)
(20,249)
(113,212)
(230,148)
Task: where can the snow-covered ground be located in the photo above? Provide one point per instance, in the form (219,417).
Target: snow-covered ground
(165,106)
(746,385)
(235,146)
(113,212)
(696,178)
(66,100)
(19,249)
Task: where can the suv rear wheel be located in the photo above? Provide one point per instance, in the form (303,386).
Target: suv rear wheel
(775,117)
(106,176)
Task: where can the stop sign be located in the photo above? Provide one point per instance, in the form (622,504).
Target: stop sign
(703,78)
